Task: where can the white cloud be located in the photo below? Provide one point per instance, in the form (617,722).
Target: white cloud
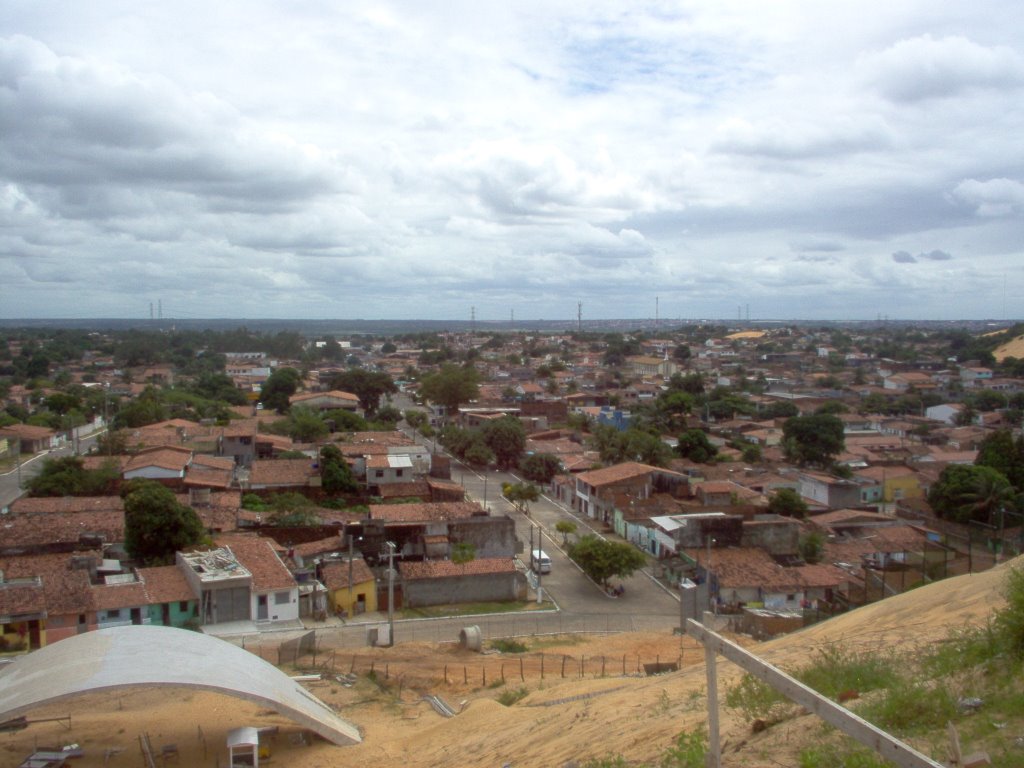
(413,160)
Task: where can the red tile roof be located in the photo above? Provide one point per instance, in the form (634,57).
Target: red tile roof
(282,472)
(335,573)
(259,556)
(51,504)
(424,512)
(165,584)
(616,474)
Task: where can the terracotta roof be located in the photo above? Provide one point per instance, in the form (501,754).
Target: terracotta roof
(165,584)
(333,394)
(53,504)
(21,597)
(165,458)
(282,472)
(27,530)
(320,546)
(28,431)
(442,569)
(212,462)
(107,597)
(259,556)
(616,473)
(67,590)
(424,512)
(419,488)
(335,573)
(746,567)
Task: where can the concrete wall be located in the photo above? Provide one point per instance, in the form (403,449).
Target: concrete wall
(461,589)
(776,537)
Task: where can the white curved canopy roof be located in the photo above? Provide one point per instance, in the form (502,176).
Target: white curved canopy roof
(125,657)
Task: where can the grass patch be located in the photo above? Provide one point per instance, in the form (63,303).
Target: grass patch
(511,696)
(832,671)
(756,700)
(509,646)
(910,707)
(848,754)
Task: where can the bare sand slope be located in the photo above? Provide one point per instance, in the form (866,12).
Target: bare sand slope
(558,720)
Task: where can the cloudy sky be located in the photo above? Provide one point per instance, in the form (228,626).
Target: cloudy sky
(320,159)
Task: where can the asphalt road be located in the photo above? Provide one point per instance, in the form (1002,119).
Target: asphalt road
(574,593)
(9,481)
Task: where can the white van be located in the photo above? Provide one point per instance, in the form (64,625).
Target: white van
(539,561)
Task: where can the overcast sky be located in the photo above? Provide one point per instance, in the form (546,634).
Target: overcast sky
(319,159)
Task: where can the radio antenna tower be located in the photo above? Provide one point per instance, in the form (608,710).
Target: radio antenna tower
(579,316)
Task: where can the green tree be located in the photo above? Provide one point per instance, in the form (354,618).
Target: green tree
(277,390)
(812,547)
(305,425)
(368,386)
(540,467)
(506,437)
(415,419)
(966,492)
(1001,452)
(694,445)
(601,559)
(788,503)
(335,474)
(781,409)
(815,439)
(520,494)
(566,528)
(451,386)
(67,476)
(292,510)
(156,525)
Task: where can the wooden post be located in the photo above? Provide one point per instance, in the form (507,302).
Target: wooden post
(446,674)
(563,664)
(542,665)
(521,677)
(602,665)
(889,747)
(714,756)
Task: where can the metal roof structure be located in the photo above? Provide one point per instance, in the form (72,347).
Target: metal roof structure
(127,657)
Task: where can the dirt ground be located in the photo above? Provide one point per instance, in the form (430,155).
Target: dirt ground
(558,719)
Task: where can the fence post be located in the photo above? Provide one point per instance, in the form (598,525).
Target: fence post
(446,674)
(542,665)
(563,664)
(521,677)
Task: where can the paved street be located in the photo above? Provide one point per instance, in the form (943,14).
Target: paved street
(30,466)
(574,593)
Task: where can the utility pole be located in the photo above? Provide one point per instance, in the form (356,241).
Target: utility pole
(540,569)
(391,592)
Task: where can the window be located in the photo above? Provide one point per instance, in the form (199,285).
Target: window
(183,605)
(281,598)
(379,473)
(398,473)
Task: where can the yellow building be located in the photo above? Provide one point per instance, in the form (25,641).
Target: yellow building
(351,587)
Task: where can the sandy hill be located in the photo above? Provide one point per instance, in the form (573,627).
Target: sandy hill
(1012,348)
(556,721)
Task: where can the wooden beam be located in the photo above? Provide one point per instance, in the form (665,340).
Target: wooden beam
(889,747)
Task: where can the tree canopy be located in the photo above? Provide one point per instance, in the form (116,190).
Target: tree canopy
(788,503)
(451,386)
(540,467)
(156,525)
(694,445)
(67,476)
(335,474)
(601,559)
(368,386)
(277,390)
(815,439)
(966,492)
(1001,452)
(506,437)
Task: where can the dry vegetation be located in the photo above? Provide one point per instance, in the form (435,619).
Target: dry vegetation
(548,722)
